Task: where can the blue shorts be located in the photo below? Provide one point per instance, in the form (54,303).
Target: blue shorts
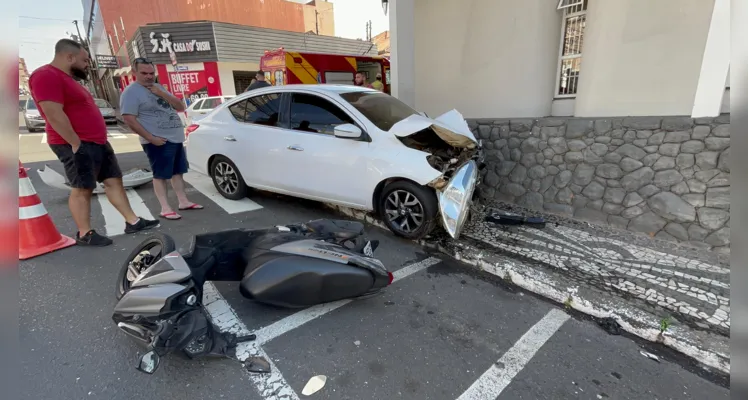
(167,160)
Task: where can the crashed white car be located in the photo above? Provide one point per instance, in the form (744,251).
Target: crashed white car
(345,145)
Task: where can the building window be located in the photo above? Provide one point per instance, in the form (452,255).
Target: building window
(570,53)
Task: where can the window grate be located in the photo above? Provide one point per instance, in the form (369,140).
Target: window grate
(570,52)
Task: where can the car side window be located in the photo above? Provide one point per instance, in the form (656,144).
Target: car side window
(314,114)
(260,110)
(198,104)
(209,104)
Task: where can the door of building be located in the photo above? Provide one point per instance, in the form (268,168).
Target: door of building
(242,79)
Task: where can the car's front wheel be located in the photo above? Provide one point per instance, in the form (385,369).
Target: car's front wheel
(409,210)
(227,178)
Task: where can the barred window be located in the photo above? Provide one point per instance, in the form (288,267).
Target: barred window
(570,54)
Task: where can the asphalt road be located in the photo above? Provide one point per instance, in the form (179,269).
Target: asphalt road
(435,332)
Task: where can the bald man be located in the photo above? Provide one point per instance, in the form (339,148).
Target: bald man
(76,133)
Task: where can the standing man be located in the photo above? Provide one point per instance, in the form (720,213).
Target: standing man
(378,85)
(259,82)
(151,112)
(76,133)
(360,80)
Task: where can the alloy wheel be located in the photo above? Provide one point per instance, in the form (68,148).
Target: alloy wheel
(226,178)
(404,211)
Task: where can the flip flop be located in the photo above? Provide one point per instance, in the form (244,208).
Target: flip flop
(171,215)
(192,207)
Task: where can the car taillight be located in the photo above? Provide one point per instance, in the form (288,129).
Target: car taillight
(392,277)
(191,129)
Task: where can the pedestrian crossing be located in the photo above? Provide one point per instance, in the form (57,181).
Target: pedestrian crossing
(144,204)
(113,133)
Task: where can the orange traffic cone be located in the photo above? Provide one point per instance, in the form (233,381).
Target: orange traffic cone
(37,233)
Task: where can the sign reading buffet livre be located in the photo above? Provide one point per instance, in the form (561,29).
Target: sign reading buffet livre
(165,45)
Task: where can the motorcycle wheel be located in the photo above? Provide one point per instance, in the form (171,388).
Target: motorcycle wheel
(156,239)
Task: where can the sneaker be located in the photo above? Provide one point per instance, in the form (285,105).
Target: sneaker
(92,239)
(141,225)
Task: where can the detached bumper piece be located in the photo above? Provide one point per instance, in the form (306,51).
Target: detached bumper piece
(130,179)
(456,197)
(504,218)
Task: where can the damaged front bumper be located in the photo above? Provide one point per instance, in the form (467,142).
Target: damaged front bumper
(456,198)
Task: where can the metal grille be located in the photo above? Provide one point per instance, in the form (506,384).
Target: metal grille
(575,19)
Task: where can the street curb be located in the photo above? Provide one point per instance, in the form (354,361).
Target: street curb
(705,348)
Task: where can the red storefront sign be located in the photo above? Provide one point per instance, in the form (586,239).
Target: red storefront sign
(188,84)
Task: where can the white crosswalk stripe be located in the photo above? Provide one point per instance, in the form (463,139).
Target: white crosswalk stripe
(115,224)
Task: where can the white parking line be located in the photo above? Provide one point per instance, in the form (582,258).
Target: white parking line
(273,385)
(205,185)
(500,375)
(113,220)
(44,137)
(279,328)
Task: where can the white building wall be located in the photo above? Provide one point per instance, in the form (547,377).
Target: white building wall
(487,58)
(642,57)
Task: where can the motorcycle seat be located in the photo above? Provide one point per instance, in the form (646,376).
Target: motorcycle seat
(340,229)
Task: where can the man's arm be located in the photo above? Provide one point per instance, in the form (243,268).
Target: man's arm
(60,122)
(132,122)
(50,96)
(173,101)
(128,105)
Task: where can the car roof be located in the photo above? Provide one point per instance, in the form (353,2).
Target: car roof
(330,88)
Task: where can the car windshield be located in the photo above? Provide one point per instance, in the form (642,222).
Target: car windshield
(381,109)
(30,105)
(102,103)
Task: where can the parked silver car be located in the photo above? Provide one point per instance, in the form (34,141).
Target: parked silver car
(107,111)
(31,116)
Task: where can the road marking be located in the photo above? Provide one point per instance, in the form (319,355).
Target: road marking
(116,135)
(269,386)
(205,185)
(500,375)
(291,322)
(44,137)
(114,223)
(273,385)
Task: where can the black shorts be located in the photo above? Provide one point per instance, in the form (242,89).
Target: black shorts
(90,164)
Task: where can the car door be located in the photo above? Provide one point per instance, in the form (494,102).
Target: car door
(312,161)
(251,142)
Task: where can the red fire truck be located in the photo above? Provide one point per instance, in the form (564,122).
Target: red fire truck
(287,67)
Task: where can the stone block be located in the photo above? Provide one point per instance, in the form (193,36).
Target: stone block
(513,189)
(664,162)
(573,157)
(594,191)
(695,199)
(719,238)
(648,191)
(577,128)
(521,125)
(676,123)
(532,200)
(700,132)
(612,209)
(718,198)
(722,131)
(632,199)
(632,212)
(627,164)
(614,195)
(656,138)
(649,223)
(672,207)
(530,145)
(636,179)
(677,230)
(603,126)
(692,147)
(685,160)
(667,178)
(519,174)
(618,222)
(677,137)
(669,149)
(537,172)
(697,233)
(551,122)
(641,123)
(712,218)
(590,157)
(724,161)
(717,143)
(631,151)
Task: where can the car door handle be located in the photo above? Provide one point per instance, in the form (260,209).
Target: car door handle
(229,138)
(295,148)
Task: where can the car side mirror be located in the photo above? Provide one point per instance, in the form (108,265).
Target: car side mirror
(149,362)
(347,131)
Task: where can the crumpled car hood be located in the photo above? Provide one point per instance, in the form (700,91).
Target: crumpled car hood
(451,127)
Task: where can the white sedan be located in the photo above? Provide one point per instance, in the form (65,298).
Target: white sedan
(345,145)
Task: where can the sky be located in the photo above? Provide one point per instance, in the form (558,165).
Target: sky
(44,22)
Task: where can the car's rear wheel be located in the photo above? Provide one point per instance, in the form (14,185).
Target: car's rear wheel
(409,210)
(227,178)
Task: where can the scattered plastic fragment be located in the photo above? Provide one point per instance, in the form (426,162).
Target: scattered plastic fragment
(357,343)
(314,385)
(650,356)
(505,218)
(258,364)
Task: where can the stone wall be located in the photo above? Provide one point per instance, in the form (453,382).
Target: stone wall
(668,177)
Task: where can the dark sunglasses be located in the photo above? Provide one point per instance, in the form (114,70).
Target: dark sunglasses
(142,60)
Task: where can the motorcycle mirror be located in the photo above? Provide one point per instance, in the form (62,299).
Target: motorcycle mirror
(149,362)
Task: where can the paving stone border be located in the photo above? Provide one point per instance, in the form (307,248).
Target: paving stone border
(666,177)
(598,275)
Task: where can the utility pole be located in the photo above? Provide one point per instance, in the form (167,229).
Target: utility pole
(96,81)
(316,20)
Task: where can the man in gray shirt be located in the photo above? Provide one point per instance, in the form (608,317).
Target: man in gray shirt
(151,112)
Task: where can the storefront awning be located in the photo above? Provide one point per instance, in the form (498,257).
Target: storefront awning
(122,71)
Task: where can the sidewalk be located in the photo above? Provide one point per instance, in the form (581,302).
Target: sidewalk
(660,291)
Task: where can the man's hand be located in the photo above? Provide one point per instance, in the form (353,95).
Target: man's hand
(157,141)
(76,145)
(155,89)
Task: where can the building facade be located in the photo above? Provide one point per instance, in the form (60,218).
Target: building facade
(220,59)
(23,76)
(614,112)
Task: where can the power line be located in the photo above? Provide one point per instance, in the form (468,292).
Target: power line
(46,19)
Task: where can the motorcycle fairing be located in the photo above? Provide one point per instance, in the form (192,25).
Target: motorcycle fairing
(326,251)
(169,269)
(149,301)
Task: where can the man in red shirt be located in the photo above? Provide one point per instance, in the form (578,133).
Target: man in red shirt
(76,133)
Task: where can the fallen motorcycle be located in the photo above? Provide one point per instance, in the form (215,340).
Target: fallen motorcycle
(294,266)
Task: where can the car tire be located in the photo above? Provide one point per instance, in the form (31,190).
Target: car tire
(219,164)
(427,205)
